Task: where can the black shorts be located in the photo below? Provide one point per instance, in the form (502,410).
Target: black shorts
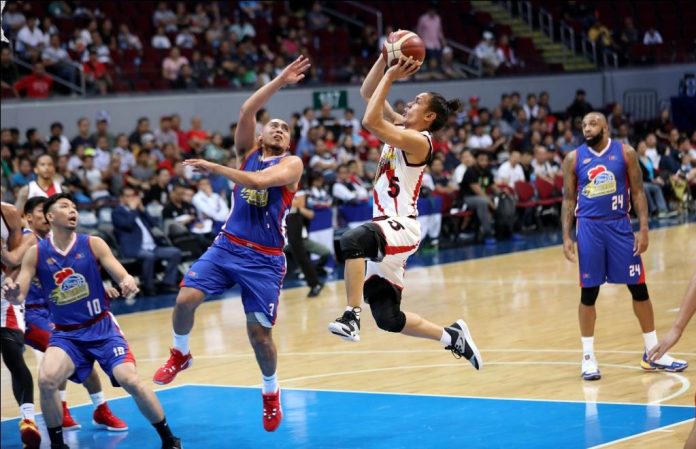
(13,335)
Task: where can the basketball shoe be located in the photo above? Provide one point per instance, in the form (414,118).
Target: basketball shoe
(177,362)
(68,422)
(272,411)
(30,434)
(174,444)
(589,370)
(346,326)
(463,345)
(676,366)
(104,419)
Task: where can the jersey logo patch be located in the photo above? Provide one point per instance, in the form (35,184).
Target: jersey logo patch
(602,182)
(70,287)
(253,197)
(386,163)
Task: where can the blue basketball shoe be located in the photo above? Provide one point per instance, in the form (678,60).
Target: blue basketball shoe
(677,366)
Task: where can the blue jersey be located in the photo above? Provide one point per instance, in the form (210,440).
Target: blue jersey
(258,216)
(35,297)
(72,282)
(602,182)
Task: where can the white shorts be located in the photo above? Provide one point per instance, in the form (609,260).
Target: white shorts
(402,236)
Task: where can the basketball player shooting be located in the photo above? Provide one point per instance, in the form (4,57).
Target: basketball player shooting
(394,233)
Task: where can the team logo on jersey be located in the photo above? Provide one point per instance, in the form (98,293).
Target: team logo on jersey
(255,197)
(386,162)
(70,287)
(602,182)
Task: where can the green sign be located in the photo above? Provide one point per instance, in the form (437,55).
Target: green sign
(338,99)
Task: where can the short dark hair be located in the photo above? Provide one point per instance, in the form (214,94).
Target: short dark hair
(30,133)
(53,200)
(122,190)
(53,139)
(56,125)
(32,202)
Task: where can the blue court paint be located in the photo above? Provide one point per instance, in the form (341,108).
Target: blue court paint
(212,417)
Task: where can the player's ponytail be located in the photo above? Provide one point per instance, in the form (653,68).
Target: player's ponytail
(442,109)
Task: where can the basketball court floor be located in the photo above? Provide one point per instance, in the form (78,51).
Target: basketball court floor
(391,391)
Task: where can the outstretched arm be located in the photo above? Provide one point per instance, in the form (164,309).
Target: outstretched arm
(244,135)
(15,291)
(16,245)
(409,140)
(370,84)
(640,202)
(285,173)
(570,183)
(687,309)
(112,266)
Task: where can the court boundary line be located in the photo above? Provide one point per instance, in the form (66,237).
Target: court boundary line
(647,432)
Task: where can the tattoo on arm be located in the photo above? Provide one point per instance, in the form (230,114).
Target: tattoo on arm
(635,182)
(569,193)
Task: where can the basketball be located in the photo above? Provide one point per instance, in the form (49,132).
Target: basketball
(403,42)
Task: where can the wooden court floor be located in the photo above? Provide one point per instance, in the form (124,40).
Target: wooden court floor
(522,311)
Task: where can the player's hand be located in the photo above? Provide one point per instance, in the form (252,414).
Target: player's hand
(112,293)
(10,291)
(200,165)
(640,244)
(569,250)
(404,68)
(664,344)
(294,73)
(128,286)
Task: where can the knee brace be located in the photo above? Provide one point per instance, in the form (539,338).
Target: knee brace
(365,241)
(639,291)
(385,304)
(588,295)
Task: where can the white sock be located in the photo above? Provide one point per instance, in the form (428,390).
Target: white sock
(97,399)
(446,338)
(270,384)
(587,345)
(355,310)
(181,343)
(62,395)
(27,411)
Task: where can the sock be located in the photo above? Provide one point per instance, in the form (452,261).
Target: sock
(56,435)
(650,339)
(355,310)
(97,399)
(62,395)
(446,338)
(163,430)
(181,343)
(27,410)
(587,345)
(270,384)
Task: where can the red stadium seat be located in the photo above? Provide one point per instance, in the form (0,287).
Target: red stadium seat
(525,195)
(546,194)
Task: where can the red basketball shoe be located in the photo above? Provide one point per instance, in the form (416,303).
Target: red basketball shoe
(68,422)
(30,434)
(272,411)
(177,362)
(104,419)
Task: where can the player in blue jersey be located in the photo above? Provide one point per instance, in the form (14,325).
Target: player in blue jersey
(39,327)
(67,266)
(601,177)
(249,249)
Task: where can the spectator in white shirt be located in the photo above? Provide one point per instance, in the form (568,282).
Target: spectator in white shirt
(31,37)
(57,61)
(347,190)
(124,152)
(652,37)
(98,46)
(479,140)
(485,51)
(466,160)
(242,28)
(324,161)
(186,39)
(307,121)
(511,171)
(127,40)
(210,205)
(651,149)
(542,167)
(165,17)
(531,108)
(160,40)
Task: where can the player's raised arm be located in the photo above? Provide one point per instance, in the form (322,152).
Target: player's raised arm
(408,140)
(370,84)
(286,173)
(640,202)
(15,291)
(18,246)
(245,134)
(112,266)
(570,183)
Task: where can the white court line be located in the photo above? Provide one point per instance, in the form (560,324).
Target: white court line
(526,281)
(388,393)
(630,437)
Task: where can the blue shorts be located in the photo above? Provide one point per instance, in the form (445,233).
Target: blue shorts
(102,342)
(605,253)
(39,327)
(226,264)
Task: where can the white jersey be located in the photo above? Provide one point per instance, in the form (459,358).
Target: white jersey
(11,316)
(397,183)
(36,190)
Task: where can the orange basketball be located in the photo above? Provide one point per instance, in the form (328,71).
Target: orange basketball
(403,42)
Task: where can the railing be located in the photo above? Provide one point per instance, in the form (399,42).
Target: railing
(81,89)
(473,65)
(611,59)
(525,12)
(546,23)
(376,12)
(589,49)
(333,12)
(641,104)
(567,35)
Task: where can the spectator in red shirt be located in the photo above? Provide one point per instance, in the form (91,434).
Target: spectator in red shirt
(181,135)
(38,84)
(197,136)
(171,157)
(96,75)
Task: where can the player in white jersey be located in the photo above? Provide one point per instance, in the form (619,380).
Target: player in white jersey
(394,233)
(12,328)
(44,185)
